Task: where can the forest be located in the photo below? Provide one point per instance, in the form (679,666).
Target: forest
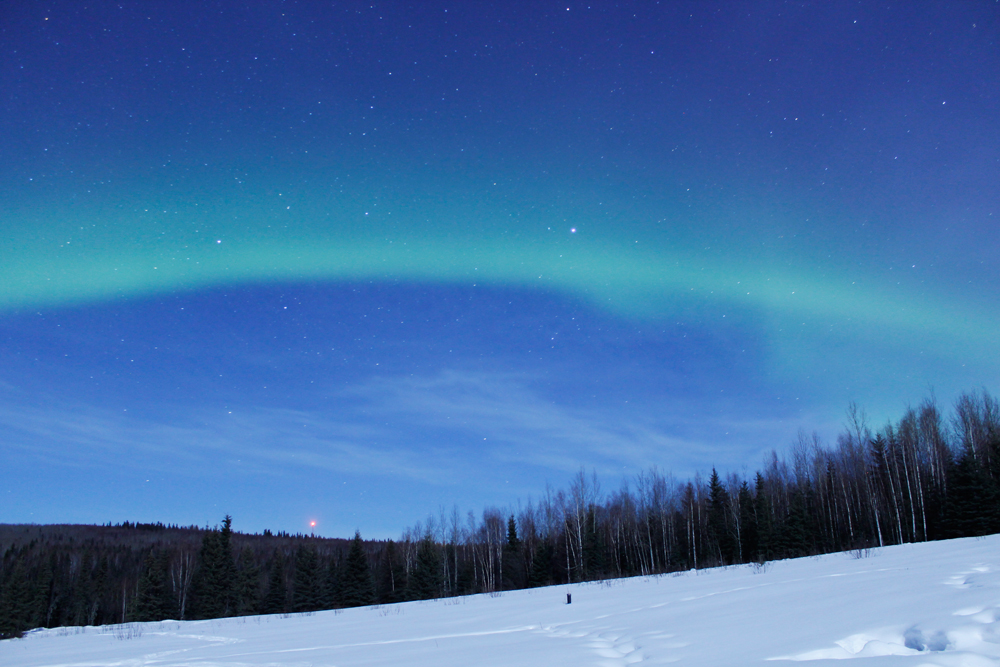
(926,476)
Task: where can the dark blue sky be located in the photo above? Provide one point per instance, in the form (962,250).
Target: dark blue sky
(355,262)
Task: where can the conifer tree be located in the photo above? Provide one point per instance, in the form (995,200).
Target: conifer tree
(75,608)
(540,573)
(992,449)
(99,581)
(514,575)
(718,521)
(332,583)
(795,534)
(276,601)
(153,600)
(215,581)
(247,584)
(513,541)
(392,575)
(16,602)
(465,582)
(308,594)
(358,587)
(593,546)
(970,509)
(766,537)
(425,580)
(748,525)
(42,601)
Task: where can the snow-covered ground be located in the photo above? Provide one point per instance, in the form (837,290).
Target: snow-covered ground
(926,604)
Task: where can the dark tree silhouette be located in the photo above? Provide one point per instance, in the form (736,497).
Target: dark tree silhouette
(357,588)
(425,580)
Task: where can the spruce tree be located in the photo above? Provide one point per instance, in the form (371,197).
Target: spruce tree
(308,594)
(227,566)
(594,559)
(425,580)
(333,584)
(392,575)
(357,589)
(970,507)
(718,520)
(16,602)
(215,580)
(465,582)
(100,582)
(748,524)
(766,532)
(276,601)
(42,601)
(153,600)
(794,537)
(514,575)
(247,584)
(992,448)
(540,573)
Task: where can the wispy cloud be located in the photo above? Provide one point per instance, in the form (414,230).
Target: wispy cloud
(260,441)
(430,429)
(509,422)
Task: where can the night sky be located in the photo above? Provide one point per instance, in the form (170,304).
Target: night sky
(357,262)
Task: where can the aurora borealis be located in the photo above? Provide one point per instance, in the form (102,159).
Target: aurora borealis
(356,262)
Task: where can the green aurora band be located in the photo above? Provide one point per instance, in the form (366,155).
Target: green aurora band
(81,256)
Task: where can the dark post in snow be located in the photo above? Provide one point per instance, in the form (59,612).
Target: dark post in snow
(569,598)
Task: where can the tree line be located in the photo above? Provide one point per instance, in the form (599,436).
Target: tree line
(923,477)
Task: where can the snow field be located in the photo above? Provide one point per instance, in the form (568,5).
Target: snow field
(924,604)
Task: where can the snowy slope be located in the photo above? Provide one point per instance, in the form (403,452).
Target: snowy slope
(926,604)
